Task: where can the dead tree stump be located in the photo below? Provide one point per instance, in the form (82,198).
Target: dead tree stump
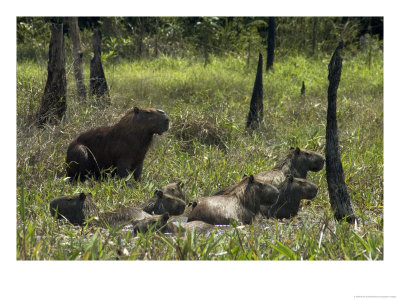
(77,55)
(338,194)
(303,90)
(271,43)
(53,104)
(98,83)
(255,116)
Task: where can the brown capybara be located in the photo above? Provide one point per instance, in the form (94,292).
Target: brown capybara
(121,216)
(239,204)
(79,208)
(174,189)
(291,191)
(74,208)
(162,203)
(270,197)
(297,163)
(198,227)
(120,148)
(155,223)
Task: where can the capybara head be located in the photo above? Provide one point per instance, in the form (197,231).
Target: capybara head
(74,208)
(291,191)
(163,202)
(301,187)
(174,189)
(150,119)
(300,161)
(252,193)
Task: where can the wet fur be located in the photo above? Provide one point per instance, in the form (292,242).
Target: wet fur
(240,203)
(162,203)
(74,208)
(291,191)
(297,163)
(121,147)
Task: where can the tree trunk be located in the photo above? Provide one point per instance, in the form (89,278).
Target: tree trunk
(53,103)
(77,55)
(255,116)
(338,195)
(271,42)
(98,83)
(314,35)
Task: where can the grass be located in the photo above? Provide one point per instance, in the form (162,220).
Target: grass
(208,148)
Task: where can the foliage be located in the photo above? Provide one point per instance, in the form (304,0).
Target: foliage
(211,155)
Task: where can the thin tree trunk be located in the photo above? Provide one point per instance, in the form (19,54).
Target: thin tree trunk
(314,35)
(271,42)
(338,195)
(255,116)
(53,103)
(77,55)
(98,83)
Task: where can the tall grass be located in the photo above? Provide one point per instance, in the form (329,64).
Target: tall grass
(208,148)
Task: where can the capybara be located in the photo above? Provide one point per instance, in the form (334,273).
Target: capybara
(75,208)
(271,195)
(120,148)
(291,191)
(79,208)
(162,203)
(297,163)
(121,216)
(239,204)
(174,189)
(156,223)
(198,227)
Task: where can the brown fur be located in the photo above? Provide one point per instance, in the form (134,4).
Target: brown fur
(239,204)
(153,222)
(121,216)
(291,191)
(74,208)
(297,163)
(198,227)
(174,189)
(162,203)
(122,146)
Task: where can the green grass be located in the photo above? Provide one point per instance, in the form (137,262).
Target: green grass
(208,148)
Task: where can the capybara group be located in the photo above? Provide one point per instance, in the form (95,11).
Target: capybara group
(120,148)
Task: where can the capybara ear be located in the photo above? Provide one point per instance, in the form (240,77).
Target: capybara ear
(297,151)
(136,110)
(291,148)
(289,177)
(159,194)
(181,184)
(251,178)
(244,175)
(82,196)
(193,204)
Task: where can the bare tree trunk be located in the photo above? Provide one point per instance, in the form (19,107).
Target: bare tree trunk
(53,103)
(98,83)
(314,35)
(271,42)
(338,195)
(77,55)
(255,116)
